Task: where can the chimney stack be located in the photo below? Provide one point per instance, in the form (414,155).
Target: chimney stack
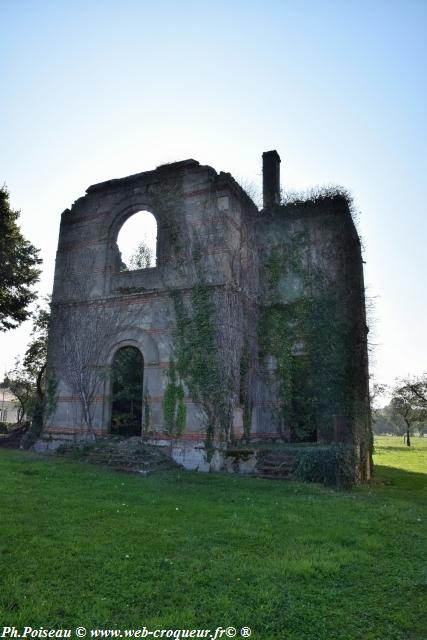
(271,178)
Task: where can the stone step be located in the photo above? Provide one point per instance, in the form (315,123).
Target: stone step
(129,456)
(275,465)
(282,463)
(277,458)
(275,470)
(276,462)
(268,476)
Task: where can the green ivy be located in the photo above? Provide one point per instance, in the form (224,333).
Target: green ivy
(147,410)
(174,409)
(315,383)
(181,410)
(332,465)
(41,410)
(198,360)
(245,396)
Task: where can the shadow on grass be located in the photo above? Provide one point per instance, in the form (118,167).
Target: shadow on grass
(411,484)
(382,447)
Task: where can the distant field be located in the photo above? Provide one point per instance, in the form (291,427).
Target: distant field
(82,545)
(392,452)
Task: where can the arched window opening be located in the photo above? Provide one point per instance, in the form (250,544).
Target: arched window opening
(137,242)
(127,392)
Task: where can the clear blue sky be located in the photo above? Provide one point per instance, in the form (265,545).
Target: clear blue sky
(94,90)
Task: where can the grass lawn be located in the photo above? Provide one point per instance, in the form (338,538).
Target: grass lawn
(83,545)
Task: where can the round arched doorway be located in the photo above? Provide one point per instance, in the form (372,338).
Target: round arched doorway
(127,392)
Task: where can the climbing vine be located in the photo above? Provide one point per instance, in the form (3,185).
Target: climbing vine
(42,410)
(199,341)
(147,410)
(198,359)
(306,333)
(308,337)
(245,395)
(174,409)
(332,465)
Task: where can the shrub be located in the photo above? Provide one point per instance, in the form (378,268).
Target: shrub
(331,465)
(4,427)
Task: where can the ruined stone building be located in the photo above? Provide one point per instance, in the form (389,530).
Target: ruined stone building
(250,327)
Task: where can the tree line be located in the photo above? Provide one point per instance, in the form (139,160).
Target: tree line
(406,413)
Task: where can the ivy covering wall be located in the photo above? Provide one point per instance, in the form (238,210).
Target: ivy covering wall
(199,362)
(302,323)
(306,325)
(174,409)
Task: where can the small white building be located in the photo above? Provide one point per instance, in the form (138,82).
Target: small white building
(9,406)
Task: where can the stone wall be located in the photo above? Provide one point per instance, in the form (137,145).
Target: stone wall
(209,232)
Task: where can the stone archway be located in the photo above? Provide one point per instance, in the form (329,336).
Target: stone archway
(148,349)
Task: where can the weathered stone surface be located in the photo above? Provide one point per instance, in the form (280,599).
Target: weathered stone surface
(206,223)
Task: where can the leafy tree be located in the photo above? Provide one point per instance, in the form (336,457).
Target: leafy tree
(376,391)
(417,388)
(19,272)
(36,353)
(382,416)
(23,388)
(142,258)
(385,420)
(408,404)
(32,407)
(25,380)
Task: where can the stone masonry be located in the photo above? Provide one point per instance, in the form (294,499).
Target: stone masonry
(206,224)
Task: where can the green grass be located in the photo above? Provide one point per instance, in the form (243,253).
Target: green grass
(83,545)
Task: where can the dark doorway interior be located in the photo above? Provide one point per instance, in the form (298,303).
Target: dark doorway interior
(302,414)
(127,392)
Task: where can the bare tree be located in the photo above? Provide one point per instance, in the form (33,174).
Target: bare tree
(84,327)
(82,334)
